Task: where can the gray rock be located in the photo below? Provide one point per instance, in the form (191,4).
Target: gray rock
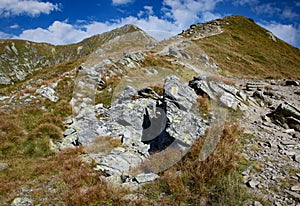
(143,178)
(69,131)
(22,201)
(295,188)
(292,83)
(47,92)
(253,183)
(228,95)
(287,113)
(256,203)
(297,158)
(259,95)
(288,142)
(177,90)
(4,79)
(3,166)
(252,86)
(293,194)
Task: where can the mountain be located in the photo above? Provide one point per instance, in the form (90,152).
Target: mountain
(19,58)
(208,117)
(244,49)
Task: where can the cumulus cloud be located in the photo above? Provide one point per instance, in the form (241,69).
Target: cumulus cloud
(5,35)
(185,12)
(28,7)
(58,33)
(286,32)
(119,2)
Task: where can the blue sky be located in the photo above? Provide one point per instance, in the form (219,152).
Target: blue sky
(70,21)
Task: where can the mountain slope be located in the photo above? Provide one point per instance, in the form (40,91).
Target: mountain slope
(19,58)
(244,49)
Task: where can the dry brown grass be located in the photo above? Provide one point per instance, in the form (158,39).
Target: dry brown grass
(208,182)
(203,104)
(103,144)
(245,50)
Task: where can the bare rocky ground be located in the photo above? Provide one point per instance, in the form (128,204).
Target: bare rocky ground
(273,148)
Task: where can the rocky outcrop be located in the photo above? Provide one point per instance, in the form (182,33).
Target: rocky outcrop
(47,92)
(145,123)
(287,114)
(228,95)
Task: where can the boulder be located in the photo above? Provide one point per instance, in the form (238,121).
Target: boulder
(145,122)
(4,79)
(228,95)
(287,113)
(47,92)
(183,95)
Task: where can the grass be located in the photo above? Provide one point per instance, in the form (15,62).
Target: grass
(214,181)
(245,50)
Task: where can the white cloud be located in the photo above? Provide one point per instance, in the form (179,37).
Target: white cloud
(269,9)
(288,13)
(14,26)
(187,12)
(5,35)
(25,7)
(58,33)
(244,2)
(288,33)
(119,2)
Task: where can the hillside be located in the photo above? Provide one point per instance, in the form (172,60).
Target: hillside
(121,119)
(244,49)
(20,59)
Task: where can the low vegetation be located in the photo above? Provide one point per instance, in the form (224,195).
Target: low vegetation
(245,49)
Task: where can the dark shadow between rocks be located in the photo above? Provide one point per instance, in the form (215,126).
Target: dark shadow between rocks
(154,129)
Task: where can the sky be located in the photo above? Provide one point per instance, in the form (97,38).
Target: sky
(62,22)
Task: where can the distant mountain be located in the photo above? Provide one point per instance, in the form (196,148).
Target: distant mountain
(20,59)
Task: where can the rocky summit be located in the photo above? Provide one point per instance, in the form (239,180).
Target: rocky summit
(210,116)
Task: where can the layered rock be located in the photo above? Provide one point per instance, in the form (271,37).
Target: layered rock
(145,123)
(228,95)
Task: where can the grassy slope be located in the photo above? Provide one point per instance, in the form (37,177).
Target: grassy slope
(244,49)
(37,54)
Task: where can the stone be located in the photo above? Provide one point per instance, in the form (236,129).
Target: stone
(288,142)
(143,178)
(259,95)
(47,92)
(177,90)
(4,79)
(252,86)
(22,201)
(3,166)
(228,95)
(287,113)
(252,183)
(296,157)
(293,194)
(256,203)
(292,83)
(295,188)
(296,135)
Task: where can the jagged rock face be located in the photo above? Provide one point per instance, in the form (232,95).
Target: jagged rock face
(228,95)
(145,123)
(287,113)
